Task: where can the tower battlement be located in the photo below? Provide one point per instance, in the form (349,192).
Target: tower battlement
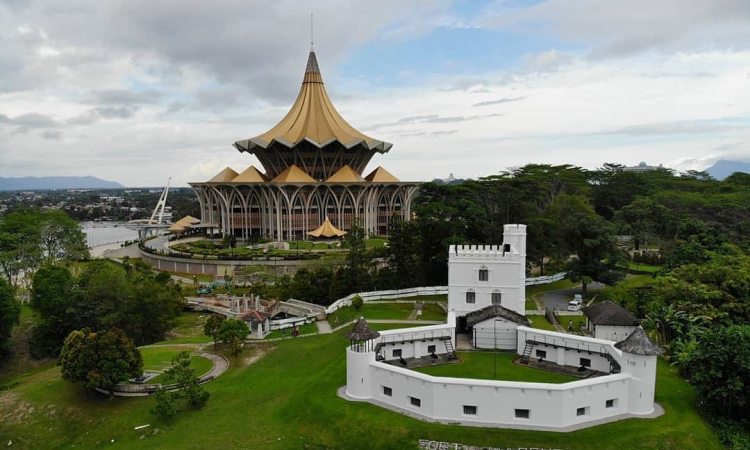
(482,251)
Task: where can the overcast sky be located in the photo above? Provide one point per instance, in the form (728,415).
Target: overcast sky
(139,90)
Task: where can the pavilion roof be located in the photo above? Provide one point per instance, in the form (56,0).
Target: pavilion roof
(638,343)
(493,311)
(293,174)
(182,224)
(345,175)
(312,118)
(608,313)
(380,175)
(250,175)
(326,230)
(225,176)
(362,332)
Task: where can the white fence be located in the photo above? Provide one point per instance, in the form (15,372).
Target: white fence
(419,291)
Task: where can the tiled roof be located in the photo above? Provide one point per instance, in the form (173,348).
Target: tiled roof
(608,313)
(492,311)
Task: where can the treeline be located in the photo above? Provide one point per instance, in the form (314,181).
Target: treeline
(101,297)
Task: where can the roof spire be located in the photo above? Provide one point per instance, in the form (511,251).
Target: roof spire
(312,41)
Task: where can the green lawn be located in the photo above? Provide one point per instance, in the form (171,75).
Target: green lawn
(635,267)
(541,322)
(287,400)
(188,329)
(494,366)
(308,328)
(160,358)
(386,311)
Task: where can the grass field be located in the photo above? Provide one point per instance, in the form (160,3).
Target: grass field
(386,311)
(308,328)
(287,400)
(189,329)
(160,358)
(494,366)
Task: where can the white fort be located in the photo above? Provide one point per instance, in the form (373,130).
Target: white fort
(486,309)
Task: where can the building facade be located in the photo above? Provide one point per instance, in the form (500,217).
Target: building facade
(314,164)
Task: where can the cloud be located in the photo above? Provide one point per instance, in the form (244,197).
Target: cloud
(123,96)
(498,101)
(30,120)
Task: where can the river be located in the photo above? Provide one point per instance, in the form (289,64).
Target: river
(101,233)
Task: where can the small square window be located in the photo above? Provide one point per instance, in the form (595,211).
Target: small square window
(484,275)
(470,410)
(522,414)
(585,362)
(415,401)
(497,298)
(471,297)
(397,353)
(431,349)
(610,403)
(581,411)
(387,391)
(541,354)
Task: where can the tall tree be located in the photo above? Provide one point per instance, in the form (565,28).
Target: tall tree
(9,313)
(234,332)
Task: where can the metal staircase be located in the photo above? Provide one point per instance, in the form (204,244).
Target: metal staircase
(527,352)
(449,349)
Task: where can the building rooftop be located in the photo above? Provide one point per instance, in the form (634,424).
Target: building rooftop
(608,313)
(638,343)
(493,311)
(362,332)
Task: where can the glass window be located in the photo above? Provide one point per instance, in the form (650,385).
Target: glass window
(471,297)
(484,274)
(497,298)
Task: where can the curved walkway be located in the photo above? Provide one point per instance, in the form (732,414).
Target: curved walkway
(220,365)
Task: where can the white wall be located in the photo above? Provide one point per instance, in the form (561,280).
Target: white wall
(568,349)
(612,332)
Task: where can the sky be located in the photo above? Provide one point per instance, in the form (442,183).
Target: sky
(137,91)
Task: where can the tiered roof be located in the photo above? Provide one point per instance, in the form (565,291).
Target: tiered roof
(312,118)
(250,175)
(293,174)
(327,230)
(345,175)
(380,175)
(226,175)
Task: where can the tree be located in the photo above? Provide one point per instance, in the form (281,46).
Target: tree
(53,298)
(99,360)
(357,303)
(234,332)
(9,313)
(213,325)
(188,392)
(719,367)
(61,237)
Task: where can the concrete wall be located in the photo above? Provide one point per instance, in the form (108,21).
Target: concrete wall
(568,349)
(613,333)
(506,273)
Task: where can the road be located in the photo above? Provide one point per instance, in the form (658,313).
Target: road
(559,299)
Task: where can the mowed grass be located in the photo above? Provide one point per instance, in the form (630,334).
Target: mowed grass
(160,358)
(494,366)
(541,322)
(308,328)
(387,311)
(287,400)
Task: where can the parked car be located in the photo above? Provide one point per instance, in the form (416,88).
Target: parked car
(576,304)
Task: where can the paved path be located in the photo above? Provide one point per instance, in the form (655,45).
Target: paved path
(421,322)
(221,364)
(324,327)
(559,299)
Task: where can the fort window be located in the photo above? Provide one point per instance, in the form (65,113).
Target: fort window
(484,274)
(585,362)
(397,353)
(582,411)
(415,402)
(471,297)
(610,403)
(387,391)
(541,354)
(431,349)
(497,298)
(470,410)
(522,414)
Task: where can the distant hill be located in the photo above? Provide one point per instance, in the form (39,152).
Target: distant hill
(42,183)
(723,168)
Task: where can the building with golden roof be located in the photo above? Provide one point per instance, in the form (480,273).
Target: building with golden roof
(313,163)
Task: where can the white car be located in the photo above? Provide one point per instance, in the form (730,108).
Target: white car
(576,303)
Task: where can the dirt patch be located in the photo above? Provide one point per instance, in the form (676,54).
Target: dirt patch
(255,354)
(13,409)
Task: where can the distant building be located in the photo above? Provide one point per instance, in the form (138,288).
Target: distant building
(642,167)
(314,164)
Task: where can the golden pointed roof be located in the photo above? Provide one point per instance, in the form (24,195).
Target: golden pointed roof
(293,174)
(183,224)
(250,175)
(380,175)
(224,176)
(312,118)
(345,175)
(327,230)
